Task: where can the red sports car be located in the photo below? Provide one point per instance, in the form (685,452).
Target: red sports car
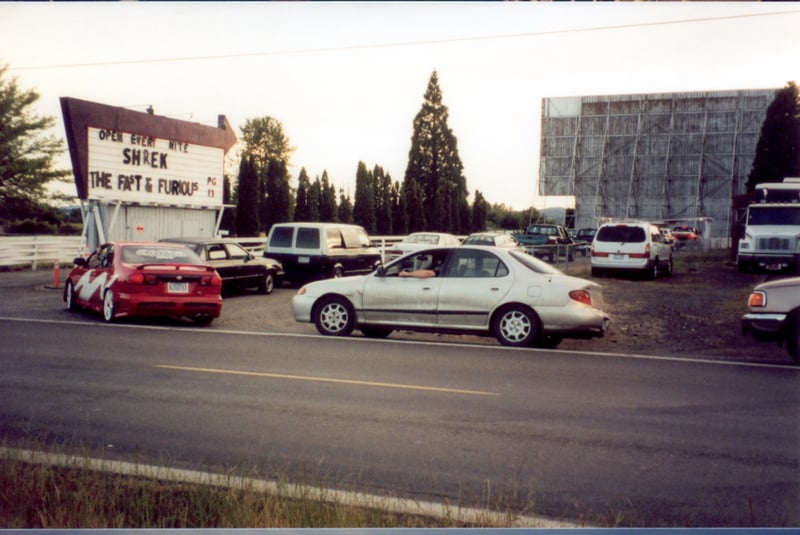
(124,279)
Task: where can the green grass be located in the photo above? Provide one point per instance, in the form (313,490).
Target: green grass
(35,493)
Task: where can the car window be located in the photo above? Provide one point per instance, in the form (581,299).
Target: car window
(471,263)
(216,252)
(236,251)
(307,238)
(281,237)
(428,259)
(621,233)
(334,238)
(533,263)
(479,240)
(146,254)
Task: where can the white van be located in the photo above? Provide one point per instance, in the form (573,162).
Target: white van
(631,246)
(310,251)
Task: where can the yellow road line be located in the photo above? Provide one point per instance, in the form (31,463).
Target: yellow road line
(328,380)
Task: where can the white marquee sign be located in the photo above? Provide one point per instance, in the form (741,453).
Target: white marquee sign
(130,167)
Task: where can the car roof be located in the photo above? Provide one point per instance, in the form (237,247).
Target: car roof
(185,239)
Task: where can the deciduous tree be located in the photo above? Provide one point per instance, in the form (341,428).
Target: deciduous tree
(27,154)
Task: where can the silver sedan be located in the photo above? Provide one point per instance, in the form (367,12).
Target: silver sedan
(511,295)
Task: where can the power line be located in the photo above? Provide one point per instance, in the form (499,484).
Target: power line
(403,43)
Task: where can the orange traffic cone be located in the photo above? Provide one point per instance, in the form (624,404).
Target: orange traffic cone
(56,273)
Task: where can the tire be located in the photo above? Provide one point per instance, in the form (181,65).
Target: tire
(653,270)
(376,332)
(597,272)
(203,319)
(109,310)
(267,283)
(334,316)
(792,336)
(515,326)
(69,297)
(667,270)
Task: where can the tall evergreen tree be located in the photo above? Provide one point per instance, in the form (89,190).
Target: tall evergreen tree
(314,195)
(415,208)
(383,201)
(435,166)
(302,206)
(345,210)
(778,149)
(27,156)
(327,201)
(480,210)
(278,206)
(247,199)
(399,216)
(364,203)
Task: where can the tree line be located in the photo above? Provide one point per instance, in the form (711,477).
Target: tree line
(431,196)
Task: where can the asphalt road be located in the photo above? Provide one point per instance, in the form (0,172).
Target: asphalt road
(591,437)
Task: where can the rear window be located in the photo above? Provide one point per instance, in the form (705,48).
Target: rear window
(159,255)
(281,237)
(307,238)
(621,233)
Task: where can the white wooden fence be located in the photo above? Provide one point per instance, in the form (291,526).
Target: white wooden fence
(33,251)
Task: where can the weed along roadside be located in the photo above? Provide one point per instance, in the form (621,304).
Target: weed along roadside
(114,494)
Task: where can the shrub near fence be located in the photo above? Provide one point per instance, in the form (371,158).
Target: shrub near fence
(31,251)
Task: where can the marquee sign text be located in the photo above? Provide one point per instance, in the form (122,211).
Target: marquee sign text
(126,166)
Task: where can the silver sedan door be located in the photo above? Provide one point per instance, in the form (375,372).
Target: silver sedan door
(476,280)
(392,299)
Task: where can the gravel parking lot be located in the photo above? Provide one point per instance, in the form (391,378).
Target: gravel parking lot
(693,313)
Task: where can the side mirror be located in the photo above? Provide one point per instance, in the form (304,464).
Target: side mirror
(380,271)
(79,261)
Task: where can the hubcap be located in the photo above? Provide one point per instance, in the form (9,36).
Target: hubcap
(515,326)
(334,317)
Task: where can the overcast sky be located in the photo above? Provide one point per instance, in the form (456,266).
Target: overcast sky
(347,79)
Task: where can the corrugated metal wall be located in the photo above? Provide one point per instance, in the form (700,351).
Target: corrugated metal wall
(654,156)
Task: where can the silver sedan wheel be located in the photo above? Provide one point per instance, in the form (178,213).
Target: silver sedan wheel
(515,326)
(335,317)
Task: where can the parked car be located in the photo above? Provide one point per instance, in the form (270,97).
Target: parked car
(493,239)
(632,247)
(123,279)
(321,250)
(685,235)
(583,240)
(773,314)
(669,237)
(422,240)
(238,267)
(495,291)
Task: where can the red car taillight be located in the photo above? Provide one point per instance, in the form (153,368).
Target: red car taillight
(140,278)
(645,254)
(581,296)
(211,280)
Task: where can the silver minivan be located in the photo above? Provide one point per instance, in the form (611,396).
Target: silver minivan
(631,246)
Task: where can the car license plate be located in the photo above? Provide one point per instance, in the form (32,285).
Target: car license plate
(619,256)
(177,287)
(303,259)
(773,267)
